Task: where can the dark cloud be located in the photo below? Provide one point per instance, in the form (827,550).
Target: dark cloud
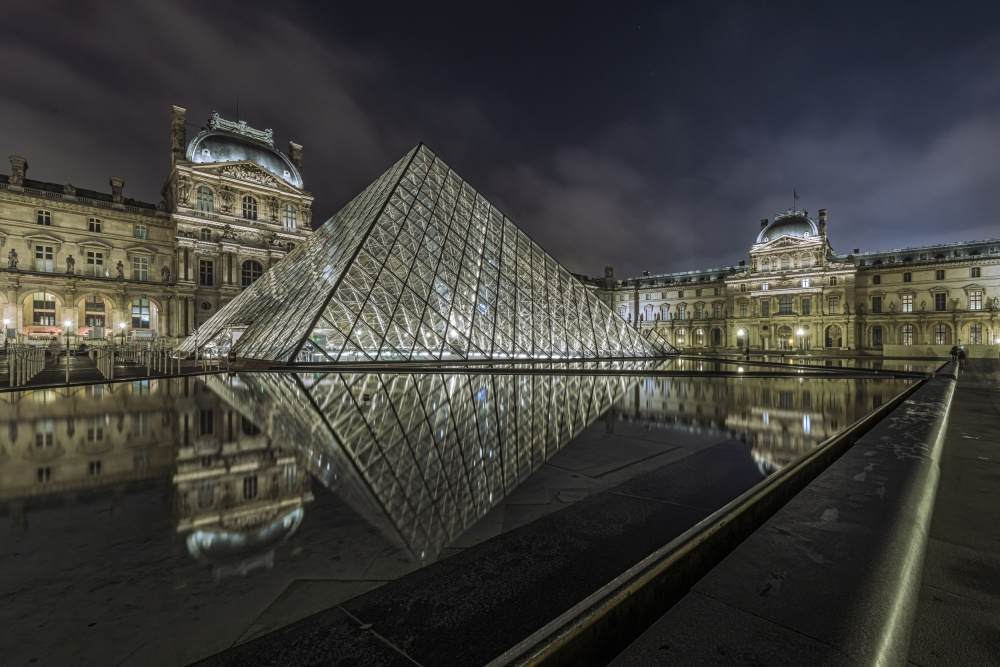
(648,137)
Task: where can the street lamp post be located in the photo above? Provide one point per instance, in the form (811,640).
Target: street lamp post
(800,334)
(121,329)
(66,325)
(6,323)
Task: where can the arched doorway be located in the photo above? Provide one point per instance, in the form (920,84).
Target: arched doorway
(785,339)
(834,336)
(716,337)
(877,336)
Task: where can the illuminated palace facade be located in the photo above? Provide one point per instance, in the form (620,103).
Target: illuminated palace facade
(233,205)
(797,293)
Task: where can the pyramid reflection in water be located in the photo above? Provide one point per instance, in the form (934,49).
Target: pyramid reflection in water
(422,456)
(420,267)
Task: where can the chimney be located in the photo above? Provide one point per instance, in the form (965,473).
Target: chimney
(116,189)
(18,168)
(609,272)
(295,154)
(743,262)
(822,222)
(763,223)
(857,250)
(178,133)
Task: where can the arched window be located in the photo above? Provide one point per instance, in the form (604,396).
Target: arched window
(43,310)
(288,216)
(805,263)
(249,207)
(251,272)
(941,336)
(907,334)
(699,337)
(206,200)
(140,314)
(786,263)
(206,234)
(680,336)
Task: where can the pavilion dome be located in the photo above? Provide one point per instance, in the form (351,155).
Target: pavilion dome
(793,223)
(226,141)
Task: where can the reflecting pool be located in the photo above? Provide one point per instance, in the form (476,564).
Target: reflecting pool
(159,521)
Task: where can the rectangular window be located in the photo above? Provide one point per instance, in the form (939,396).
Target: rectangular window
(680,294)
(45,475)
(663,295)
(939,274)
(681,312)
(764,286)
(95,429)
(139,231)
(697,292)
(94,225)
(876,280)
(140,268)
(140,423)
(649,295)
(833,280)
(806,305)
(43,310)
(907,334)
(250,487)
(785,305)
(44,255)
(95,264)
(206,270)
(907,277)
(834,304)
(44,432)
(206,422)
(95,468)
(976,273)
(718,291)
(806,282)
(743,308)
(765,308)
(717,311)
(876,304)
(907,303)
(140,314)
(975,300)
(976,334)
(940,301)
(699,311)
(44,218)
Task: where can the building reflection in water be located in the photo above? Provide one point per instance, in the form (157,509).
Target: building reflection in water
(420,456)
(781,417)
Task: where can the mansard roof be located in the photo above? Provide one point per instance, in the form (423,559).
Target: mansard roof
(60,188)
(228,141)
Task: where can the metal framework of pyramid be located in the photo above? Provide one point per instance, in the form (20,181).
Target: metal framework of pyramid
(421,267)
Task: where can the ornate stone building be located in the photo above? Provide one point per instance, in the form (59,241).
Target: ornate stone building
(797,293)
(233,205)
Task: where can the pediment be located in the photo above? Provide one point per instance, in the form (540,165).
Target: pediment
(94,244)
(246,172)
(787,242)
(43,238)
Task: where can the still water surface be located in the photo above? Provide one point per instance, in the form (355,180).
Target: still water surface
(162,520)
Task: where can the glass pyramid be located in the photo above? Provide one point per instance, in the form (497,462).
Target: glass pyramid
(421,267)
(422,456)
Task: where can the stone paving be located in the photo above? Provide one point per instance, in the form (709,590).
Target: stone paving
(958,618)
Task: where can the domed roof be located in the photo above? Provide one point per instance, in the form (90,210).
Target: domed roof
(793,223)
(226,141)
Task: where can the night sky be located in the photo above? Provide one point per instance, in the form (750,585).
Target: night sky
(648,136)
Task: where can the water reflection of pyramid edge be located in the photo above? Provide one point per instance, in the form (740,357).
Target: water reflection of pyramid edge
(435,452)
(418,267)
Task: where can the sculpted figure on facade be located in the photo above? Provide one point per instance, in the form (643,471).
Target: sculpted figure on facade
(165,272)
(272,208)
(121,270)
(307,215)
(183,191)
(70,265)
(228,198)
(12,259)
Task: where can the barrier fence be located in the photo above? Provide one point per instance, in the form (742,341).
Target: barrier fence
(24,362)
